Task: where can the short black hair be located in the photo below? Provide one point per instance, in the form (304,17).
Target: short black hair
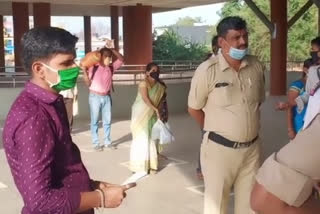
(316,41)
(307,63)
(45,42)
(230,23)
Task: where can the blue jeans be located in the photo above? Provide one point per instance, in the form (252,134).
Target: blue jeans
(100,103)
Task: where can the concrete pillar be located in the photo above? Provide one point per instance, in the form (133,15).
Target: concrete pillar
(2,63)
(20,13)
(137,34)
(41,14)
(87,34)
(115,26)
(278,74)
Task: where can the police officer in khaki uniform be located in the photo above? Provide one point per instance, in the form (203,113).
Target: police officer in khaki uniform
(286,180)
(225,96)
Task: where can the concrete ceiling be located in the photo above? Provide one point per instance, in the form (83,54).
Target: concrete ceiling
(154,3)
(101,7)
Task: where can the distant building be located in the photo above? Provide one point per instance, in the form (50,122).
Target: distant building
(194,34)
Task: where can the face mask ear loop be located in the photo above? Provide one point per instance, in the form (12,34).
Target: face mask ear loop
(53,70)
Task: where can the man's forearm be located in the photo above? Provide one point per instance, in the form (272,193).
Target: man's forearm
(86,79)
(89,200)
(311,206)
(263,202)
(118,55)
(290,118)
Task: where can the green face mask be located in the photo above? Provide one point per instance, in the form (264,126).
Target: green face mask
(67,78)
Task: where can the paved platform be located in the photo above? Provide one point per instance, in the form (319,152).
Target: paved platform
(175,189)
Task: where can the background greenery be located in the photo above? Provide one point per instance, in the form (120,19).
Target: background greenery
(171,46)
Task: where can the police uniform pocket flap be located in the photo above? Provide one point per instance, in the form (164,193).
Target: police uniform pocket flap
(221,84)
(222,93)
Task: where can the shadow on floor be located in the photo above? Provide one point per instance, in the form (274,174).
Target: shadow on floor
(122,139)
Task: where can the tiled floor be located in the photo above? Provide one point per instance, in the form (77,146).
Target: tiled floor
(175,189)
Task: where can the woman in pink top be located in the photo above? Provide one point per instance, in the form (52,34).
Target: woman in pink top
(99,80)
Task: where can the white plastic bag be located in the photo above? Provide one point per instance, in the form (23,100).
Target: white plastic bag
(161,131)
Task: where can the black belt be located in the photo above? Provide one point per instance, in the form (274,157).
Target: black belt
(228,143)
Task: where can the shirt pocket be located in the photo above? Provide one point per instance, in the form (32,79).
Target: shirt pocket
(254,87)
(222,93)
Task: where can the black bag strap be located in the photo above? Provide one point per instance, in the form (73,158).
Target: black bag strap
(94,70)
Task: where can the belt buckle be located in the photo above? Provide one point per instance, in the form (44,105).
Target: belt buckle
(240,145)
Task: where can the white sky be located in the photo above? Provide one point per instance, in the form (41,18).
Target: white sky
(208,13)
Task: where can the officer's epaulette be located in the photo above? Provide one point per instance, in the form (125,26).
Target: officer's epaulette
(212,61)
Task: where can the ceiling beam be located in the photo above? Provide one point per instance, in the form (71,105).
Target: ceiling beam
(261,15)
(302,11)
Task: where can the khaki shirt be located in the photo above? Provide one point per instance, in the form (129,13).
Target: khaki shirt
(229,99)
(291,173)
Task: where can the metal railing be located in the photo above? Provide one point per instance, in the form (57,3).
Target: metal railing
(16,76)
(170,70)
(11,75)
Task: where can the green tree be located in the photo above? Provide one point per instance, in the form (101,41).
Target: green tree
(299,36)
(170,46)
(302,32)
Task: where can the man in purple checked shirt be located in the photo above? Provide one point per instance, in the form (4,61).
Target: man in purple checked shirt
(45,163)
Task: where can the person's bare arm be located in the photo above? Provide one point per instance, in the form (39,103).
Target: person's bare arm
(113,195)
(292,95)
(291,131)
(263,202)
(88,201)
(118,55)
(146,99)
(86,79)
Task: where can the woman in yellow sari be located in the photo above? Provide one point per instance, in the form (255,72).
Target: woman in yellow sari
(145,111)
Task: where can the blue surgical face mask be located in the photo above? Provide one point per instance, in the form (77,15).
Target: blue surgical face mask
(238,54)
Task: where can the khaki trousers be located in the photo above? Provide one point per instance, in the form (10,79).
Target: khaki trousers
(224,168)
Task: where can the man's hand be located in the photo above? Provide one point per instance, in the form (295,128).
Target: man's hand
(282,106)
(157,113)
(291,134)
(114,194)
(109,43)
